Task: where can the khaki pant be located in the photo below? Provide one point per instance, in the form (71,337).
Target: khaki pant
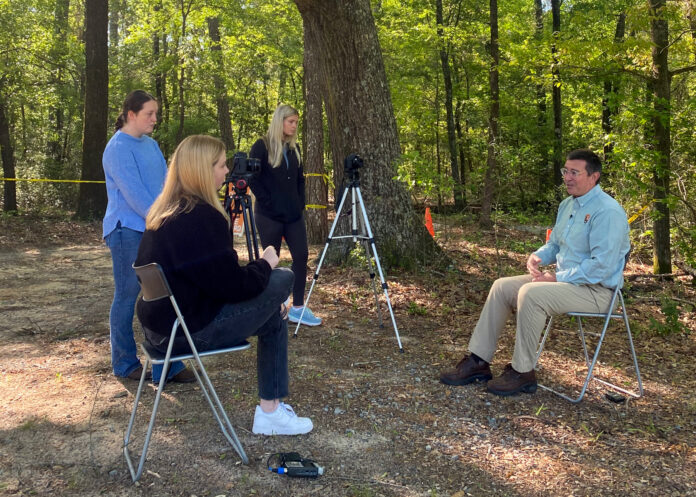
(534,302)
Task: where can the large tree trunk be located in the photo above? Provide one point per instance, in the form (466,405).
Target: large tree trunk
(556,95)
(492,161)
(361,120)
(611,85)
(659,30)
(8,159)
(451,131)
(92,200)
(315,185)
(223,107)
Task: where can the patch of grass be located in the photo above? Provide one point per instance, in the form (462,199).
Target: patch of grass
(29,424)
(416,310)
(361,491)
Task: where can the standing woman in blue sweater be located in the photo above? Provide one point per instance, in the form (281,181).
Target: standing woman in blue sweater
(280,201)
(134,169)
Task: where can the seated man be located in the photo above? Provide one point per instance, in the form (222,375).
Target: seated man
(588,244)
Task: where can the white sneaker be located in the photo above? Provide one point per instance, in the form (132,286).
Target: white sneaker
(282,421)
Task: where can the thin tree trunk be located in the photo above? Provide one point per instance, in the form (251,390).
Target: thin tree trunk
(556,95)
(8,158)
(56,114)
(223,107)
(493,135)
(451,131)
(544,179)
(611,86)
(361,120)
(659,30)
(92,198)
(316,187)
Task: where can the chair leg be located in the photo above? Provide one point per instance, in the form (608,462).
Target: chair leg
(218,410)
(135,474)
(543,342)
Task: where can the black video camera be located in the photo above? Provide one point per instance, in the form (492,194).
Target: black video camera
(243,167)
(352,163)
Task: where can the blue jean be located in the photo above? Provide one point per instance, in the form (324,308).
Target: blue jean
(123,244)
(235,323)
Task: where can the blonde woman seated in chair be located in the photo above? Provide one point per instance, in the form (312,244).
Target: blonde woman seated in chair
(223,303)
(588,244)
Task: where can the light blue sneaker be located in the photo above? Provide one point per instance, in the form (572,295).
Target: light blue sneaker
(308,319)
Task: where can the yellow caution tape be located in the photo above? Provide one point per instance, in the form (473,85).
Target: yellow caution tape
(635,216)
(315,206)
(43,180)
(315,174)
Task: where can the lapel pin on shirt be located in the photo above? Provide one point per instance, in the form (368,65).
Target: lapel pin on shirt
(587,218)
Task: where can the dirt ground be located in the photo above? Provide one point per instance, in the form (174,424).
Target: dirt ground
(384,426)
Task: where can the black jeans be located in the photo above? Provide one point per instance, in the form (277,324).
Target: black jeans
(261,317)
(272,232)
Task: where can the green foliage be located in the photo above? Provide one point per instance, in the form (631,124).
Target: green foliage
(671,323)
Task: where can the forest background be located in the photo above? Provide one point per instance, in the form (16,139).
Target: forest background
(486,98)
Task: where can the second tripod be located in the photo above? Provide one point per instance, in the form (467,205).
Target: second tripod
(238,201)
(364,235)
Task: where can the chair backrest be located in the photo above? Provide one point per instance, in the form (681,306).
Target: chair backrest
(152,282)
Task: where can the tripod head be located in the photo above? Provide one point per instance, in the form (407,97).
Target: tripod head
(351,164)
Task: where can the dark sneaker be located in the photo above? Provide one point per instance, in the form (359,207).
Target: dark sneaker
(183,376)
(467,371)
(511,382)
(137,373)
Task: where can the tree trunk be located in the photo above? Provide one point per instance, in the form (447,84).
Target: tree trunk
(92,199)
(223,107)
(691,15)
(451,131)
(544,179)
(609,107)
(556,95)
(8,159)
(659,30)
(315,184)
(58,52)
(361,120)
(492,161)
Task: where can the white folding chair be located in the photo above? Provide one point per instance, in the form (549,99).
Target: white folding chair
(611,313)
(154,287)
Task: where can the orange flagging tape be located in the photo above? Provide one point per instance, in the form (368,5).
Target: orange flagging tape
(429,222)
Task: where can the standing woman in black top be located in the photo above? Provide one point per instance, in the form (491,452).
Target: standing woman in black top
(280,201)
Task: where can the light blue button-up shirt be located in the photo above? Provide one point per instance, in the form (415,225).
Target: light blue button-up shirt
(589,241)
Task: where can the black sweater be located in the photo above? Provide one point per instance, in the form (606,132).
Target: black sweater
(279,191)
(196,254)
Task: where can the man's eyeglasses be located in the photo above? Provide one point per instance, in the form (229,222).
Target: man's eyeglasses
(573,173)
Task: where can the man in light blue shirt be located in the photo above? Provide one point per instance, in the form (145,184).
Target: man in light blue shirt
(588,244)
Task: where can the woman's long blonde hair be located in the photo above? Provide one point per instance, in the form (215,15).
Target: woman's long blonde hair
(275,138)
(189,178)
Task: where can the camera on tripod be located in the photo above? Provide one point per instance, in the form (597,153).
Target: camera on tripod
(243,169)
(352,163)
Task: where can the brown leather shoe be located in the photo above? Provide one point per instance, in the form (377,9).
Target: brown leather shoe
(467,371)
(183,376)
(512,382)
(137,373)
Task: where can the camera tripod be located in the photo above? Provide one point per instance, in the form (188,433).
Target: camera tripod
(238,201)
(366,239)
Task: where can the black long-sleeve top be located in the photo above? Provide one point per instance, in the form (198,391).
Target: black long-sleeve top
(196,254)
(279,191)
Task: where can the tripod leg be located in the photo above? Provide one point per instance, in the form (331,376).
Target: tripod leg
(321,259)
(366,245)
(379,266)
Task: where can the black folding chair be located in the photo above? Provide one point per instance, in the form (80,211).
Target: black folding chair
(611,313)
(154,287)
